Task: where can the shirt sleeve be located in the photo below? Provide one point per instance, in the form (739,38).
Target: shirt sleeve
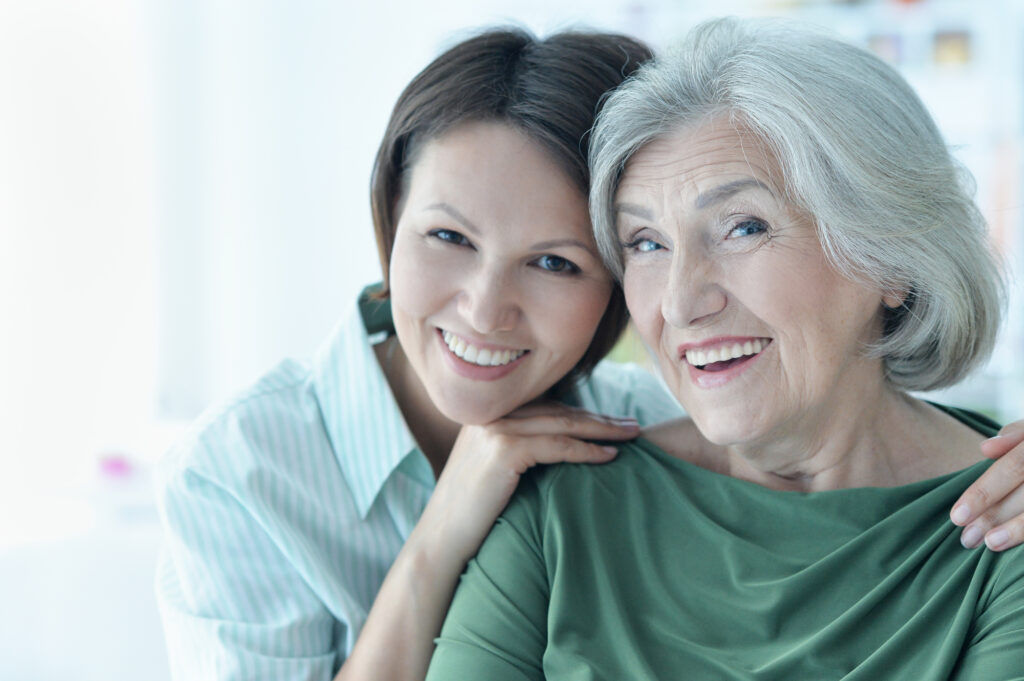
(996,649)
(496,627)
(232,604)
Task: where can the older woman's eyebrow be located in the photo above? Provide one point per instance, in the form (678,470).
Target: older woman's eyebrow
(634,209)
(459,217)
(724,191)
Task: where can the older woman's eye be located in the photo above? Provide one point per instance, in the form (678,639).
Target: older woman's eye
(557,264)
(747,228)
(449,236)
(641,245)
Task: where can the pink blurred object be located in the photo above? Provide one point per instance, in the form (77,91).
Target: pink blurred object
(115,466)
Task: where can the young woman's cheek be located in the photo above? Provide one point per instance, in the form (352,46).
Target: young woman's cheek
(567,309)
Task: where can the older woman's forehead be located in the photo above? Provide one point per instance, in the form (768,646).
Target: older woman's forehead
(698,155)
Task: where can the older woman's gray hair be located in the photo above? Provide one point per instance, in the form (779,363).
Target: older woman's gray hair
(857,151)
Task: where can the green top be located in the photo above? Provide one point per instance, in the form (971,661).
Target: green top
(653,568)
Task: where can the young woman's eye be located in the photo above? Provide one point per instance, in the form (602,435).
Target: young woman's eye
(747,227)
(641,245)
(559,265)
(450,236)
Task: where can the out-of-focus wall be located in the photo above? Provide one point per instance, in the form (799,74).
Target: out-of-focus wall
(183,201)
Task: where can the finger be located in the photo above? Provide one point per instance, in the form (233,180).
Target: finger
(997,446)
(1008,438)
(1013,430)
(581,425)
(1007,511)
(560,449)
(1007,535)
(1003,476)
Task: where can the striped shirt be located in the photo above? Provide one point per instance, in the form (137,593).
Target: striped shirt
(284,509)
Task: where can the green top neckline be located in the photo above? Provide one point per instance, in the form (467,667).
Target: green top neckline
(977,422)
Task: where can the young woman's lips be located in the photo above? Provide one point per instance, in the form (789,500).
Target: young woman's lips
(715,362)
(478,362)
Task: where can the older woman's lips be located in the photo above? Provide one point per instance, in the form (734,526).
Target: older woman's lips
(718,361)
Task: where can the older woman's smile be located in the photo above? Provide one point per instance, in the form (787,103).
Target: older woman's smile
(704,222)
(721,353)
(716,362)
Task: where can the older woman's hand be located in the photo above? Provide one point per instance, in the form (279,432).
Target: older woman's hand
(992,509)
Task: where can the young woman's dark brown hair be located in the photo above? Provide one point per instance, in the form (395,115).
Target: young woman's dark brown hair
(549,89)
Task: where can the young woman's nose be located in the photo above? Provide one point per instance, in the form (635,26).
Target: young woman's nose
(692,296)
(489,301)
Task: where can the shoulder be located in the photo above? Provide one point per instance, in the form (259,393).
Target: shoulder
(627,390)
(265,422)
(582,489)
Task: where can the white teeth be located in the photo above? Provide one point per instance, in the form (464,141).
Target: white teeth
(480,356)
(701,358)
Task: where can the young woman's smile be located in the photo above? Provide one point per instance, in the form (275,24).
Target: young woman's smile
(496,283)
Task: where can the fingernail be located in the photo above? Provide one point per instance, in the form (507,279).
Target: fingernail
(971,537)
(611,450)
(996,437)
(997,538)
(961,514)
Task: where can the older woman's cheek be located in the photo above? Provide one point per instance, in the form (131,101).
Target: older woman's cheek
(644,288)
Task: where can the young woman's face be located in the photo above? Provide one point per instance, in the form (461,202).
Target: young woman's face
(496,284)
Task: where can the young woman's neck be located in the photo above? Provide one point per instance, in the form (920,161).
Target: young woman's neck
(434,433)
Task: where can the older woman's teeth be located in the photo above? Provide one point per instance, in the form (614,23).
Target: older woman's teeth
(701,358)
(479,356)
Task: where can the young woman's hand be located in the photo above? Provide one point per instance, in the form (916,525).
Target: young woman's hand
(476,483)
(487,461)
(992,509)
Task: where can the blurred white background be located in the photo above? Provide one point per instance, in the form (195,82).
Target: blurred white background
(183,201)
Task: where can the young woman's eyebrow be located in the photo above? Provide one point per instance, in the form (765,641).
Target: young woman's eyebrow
(459,217)
(556,243)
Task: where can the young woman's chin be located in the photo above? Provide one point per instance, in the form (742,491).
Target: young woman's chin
(466,414)
(477,405)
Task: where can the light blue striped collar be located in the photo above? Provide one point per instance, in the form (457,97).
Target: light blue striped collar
(366,428)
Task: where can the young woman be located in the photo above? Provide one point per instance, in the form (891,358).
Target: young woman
(316,525)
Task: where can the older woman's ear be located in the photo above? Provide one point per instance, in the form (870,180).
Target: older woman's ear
(895,298)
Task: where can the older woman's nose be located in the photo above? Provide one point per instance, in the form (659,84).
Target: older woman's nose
(489,302)
(692,296)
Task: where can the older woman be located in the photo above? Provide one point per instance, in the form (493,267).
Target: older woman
(798,250)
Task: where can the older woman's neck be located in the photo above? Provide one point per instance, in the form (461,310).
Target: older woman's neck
(884,442)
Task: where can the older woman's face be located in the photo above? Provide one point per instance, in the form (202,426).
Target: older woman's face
(755,333)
